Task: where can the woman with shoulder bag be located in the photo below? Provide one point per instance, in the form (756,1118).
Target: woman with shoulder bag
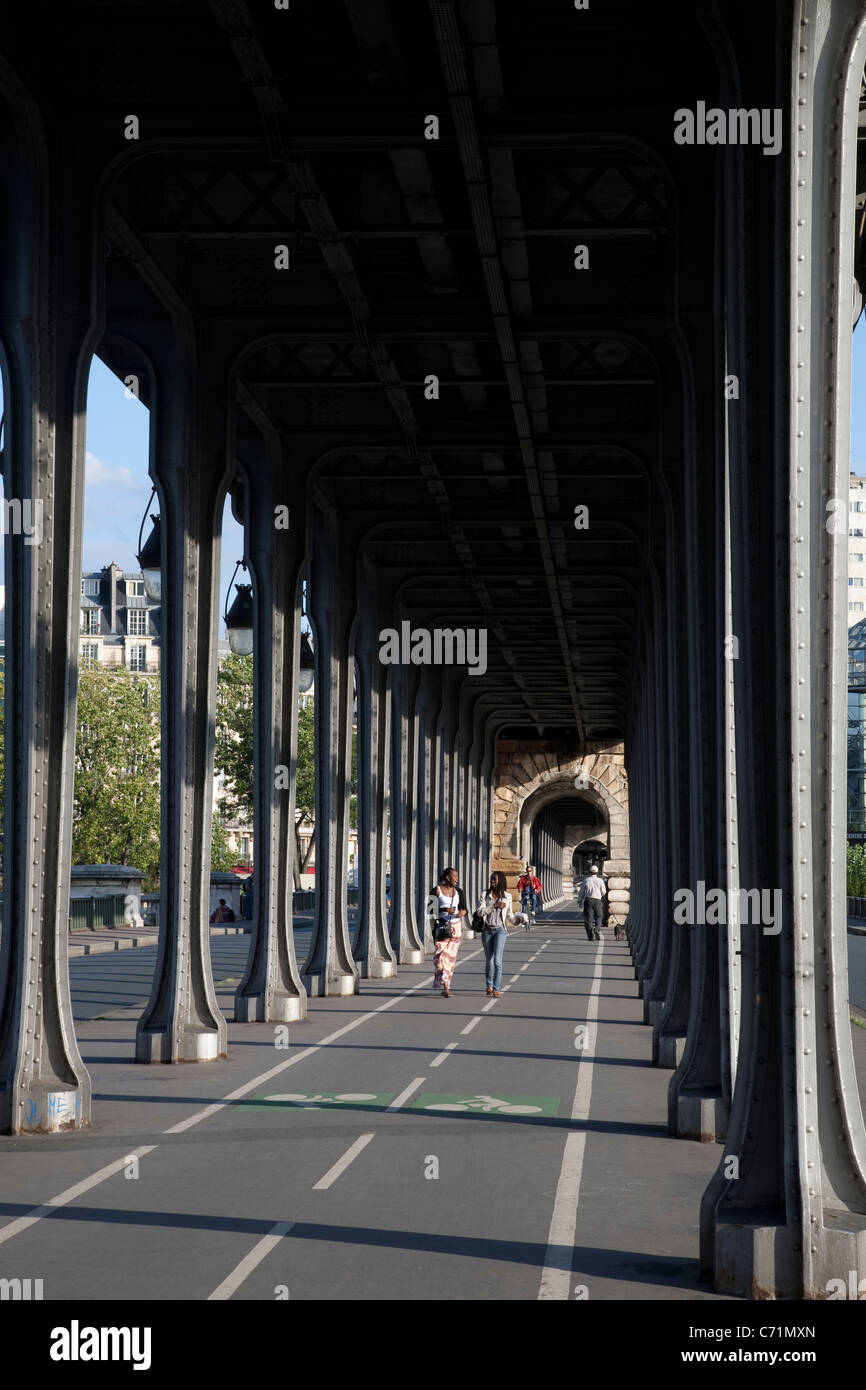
(450,909)
(495,911)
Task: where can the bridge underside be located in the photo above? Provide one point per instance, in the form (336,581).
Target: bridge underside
(522,367)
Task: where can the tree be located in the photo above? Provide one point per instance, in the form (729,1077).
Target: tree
(234,748)
(115,818)
(222,856)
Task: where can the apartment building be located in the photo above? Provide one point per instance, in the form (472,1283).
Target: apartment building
(856,549)
(120,626)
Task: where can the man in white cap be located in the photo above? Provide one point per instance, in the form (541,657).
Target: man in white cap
(592,891)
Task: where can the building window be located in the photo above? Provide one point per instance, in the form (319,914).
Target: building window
(135,587)
(90,588)
(136,620)
(137,658)
(856,581)
(856,556)
(89,651)
(90,621)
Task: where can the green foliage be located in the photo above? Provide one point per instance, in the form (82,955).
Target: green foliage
(222,856)
(305,782)
(856,870)
(115,817)
(234,751)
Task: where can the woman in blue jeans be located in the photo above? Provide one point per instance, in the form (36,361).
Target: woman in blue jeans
(495,908)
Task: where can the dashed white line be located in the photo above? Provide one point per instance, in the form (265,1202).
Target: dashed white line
(524,967)
(490,1005)
(556,1278)
(233,1281)
(21,1223)
(342,1163)
(513,978)
(404,1095)
(437,1061)
(470,1025)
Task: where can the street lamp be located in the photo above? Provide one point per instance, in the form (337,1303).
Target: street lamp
(150,555)
(239,618)
(308,665)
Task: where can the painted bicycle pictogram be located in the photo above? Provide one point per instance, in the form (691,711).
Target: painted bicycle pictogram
(486,1105)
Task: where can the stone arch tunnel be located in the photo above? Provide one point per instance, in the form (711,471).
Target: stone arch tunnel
(534,369)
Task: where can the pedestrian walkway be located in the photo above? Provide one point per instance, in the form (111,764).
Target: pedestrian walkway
(510,1148)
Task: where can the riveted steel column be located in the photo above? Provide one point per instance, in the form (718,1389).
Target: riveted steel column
(793,1218)
(330,969)
(699,1094)
(194,431)
(271,990)
(372,946)
(425,817)
(47,278)
(405,816)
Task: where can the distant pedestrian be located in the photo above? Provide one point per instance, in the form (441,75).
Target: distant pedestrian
(222,913)
(449,910)
(591,897)
(495,908)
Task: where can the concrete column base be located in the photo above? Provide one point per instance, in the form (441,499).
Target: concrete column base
(377,969)
(668,1049)
(330,986)
(284,1008)
(411,956)
(197,1044)
(652,1011)
(701,1117)
(757,1261)
(48,1110)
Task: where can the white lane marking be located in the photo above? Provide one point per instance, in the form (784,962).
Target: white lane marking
(524,967)
(470,1025)
(342,1163)
(437,1061)
(556,1277)
(404,1095)
(233,1281)
(489,1006)
(299,1056)
(21,1223)
(513,978)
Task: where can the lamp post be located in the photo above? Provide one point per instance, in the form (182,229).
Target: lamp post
(239,618)
(150,555)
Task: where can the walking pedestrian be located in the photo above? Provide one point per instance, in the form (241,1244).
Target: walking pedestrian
(495,910)
(449,910)
(590,898)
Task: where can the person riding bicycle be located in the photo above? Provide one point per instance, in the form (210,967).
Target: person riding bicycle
(530,890)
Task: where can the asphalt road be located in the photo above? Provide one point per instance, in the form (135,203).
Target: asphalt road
(402,1143)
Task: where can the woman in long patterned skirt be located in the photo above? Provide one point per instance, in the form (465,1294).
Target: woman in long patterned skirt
(450,902)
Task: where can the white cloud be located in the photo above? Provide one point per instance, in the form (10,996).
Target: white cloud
(98,473)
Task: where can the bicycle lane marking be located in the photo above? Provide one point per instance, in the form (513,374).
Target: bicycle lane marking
(22,1223)
(299,1057)
(556,1276)
(342,1163)
(233,1281)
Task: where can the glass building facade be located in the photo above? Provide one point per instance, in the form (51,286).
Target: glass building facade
(857,732)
